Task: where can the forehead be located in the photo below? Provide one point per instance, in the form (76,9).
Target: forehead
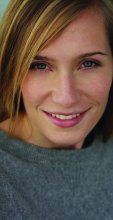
(86,32)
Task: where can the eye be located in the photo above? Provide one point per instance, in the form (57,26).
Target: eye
(88,64)
(39,66)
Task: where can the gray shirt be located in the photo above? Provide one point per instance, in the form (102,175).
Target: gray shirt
(44,184)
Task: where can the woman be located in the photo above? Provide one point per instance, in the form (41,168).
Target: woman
(56,71)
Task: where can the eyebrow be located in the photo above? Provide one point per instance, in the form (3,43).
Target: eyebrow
(39,57)
(92,54)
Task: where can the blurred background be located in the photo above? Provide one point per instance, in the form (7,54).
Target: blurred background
(3,4)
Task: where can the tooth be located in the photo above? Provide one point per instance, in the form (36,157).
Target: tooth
(69,117)
(74,116)
(64,117)
(57,116)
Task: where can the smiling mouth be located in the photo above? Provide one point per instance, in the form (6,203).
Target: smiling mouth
(65,120)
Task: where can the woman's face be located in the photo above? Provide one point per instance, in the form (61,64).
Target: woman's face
(66,90)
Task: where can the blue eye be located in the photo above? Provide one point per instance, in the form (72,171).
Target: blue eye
(89,64)
(38,66)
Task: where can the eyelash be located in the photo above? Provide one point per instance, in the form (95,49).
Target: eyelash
(93,63)
(35,65)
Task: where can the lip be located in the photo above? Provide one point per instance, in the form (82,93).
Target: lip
(65,123)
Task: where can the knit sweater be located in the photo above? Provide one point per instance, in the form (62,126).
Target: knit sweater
(50,184)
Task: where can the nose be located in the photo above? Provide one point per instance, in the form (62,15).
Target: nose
(66,91)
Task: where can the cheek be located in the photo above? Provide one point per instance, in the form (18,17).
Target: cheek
(34,90)
(100,89)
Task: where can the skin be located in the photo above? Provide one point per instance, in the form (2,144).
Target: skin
(68,84)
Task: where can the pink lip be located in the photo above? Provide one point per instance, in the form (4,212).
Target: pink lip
(65,123)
